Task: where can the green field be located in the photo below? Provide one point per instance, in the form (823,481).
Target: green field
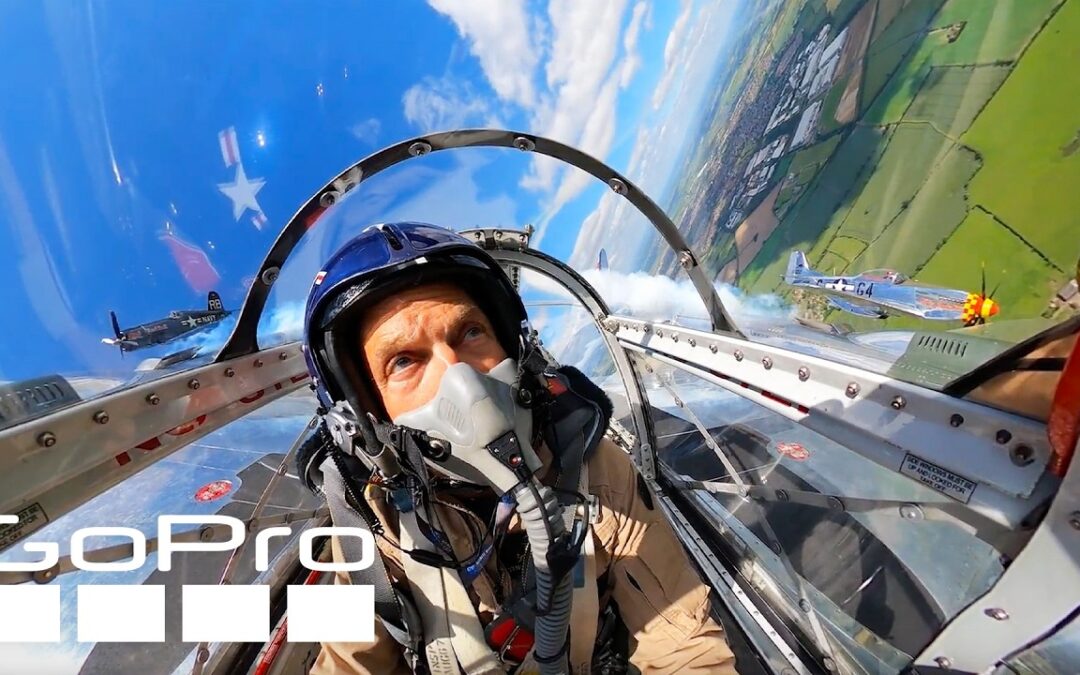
(951,96)
(1026,281)
(966,151)
(995,33)
(810,19)
(830,262)
(783,167)
(1023,280)
(1029,179)
(827,122)
(794,19)
(718,255)
(842,10)
(847,248)
(911,153)
(803,166)
(888,50)
(814,212)
(929,219)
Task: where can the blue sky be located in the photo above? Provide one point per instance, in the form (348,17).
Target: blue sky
(111,147)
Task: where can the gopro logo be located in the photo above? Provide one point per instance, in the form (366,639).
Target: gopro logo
(136,613)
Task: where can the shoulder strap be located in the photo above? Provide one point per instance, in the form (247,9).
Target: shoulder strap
(453,634)
(397,613)
(585,610)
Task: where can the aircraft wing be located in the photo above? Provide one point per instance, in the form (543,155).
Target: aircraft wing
(856,308)
(943,314)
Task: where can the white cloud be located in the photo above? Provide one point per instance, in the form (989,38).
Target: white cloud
(440,104)
(691,51)
(585,42)
(583,110)
(498,32)
(453,199)
(672,54)
(563,71)
(537,284)
(597,231)
(633,231)
(655,298)
(632,61)
(596,139)
(367,131)
(46,659)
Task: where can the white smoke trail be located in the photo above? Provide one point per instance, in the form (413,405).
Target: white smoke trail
(208,339)
(286,321)
(661,298)
(278,325)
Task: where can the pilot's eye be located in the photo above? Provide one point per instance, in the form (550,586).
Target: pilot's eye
(400,363)
(474,332)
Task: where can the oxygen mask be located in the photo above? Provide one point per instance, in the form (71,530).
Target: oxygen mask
(476,429)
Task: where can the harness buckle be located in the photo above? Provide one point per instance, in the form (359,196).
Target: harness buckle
(594,508)
(509,639)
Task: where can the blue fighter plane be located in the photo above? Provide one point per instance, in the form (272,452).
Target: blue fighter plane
(880,293)
(175,326)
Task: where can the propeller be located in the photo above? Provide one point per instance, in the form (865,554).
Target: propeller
(977,319)
(118,341)
(115,325)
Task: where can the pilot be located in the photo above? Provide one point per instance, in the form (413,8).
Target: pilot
(512,535)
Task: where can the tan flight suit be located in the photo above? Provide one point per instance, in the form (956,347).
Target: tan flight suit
(660,597)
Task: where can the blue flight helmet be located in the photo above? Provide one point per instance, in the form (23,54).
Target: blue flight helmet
(383,260)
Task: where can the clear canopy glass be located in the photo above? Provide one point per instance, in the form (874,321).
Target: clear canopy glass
(151,156)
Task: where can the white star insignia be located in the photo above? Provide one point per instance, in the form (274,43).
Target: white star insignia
(242,192)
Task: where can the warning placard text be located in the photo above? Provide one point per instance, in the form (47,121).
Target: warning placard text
(942,480)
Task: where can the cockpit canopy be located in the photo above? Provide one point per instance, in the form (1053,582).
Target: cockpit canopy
(886,275)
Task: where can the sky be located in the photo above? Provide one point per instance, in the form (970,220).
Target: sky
(154,152)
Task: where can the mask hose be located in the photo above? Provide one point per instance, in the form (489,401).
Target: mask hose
(541,517)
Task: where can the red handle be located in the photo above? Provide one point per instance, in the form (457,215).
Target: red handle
(1063,426)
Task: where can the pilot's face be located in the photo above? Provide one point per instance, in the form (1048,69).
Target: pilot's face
(410,339)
